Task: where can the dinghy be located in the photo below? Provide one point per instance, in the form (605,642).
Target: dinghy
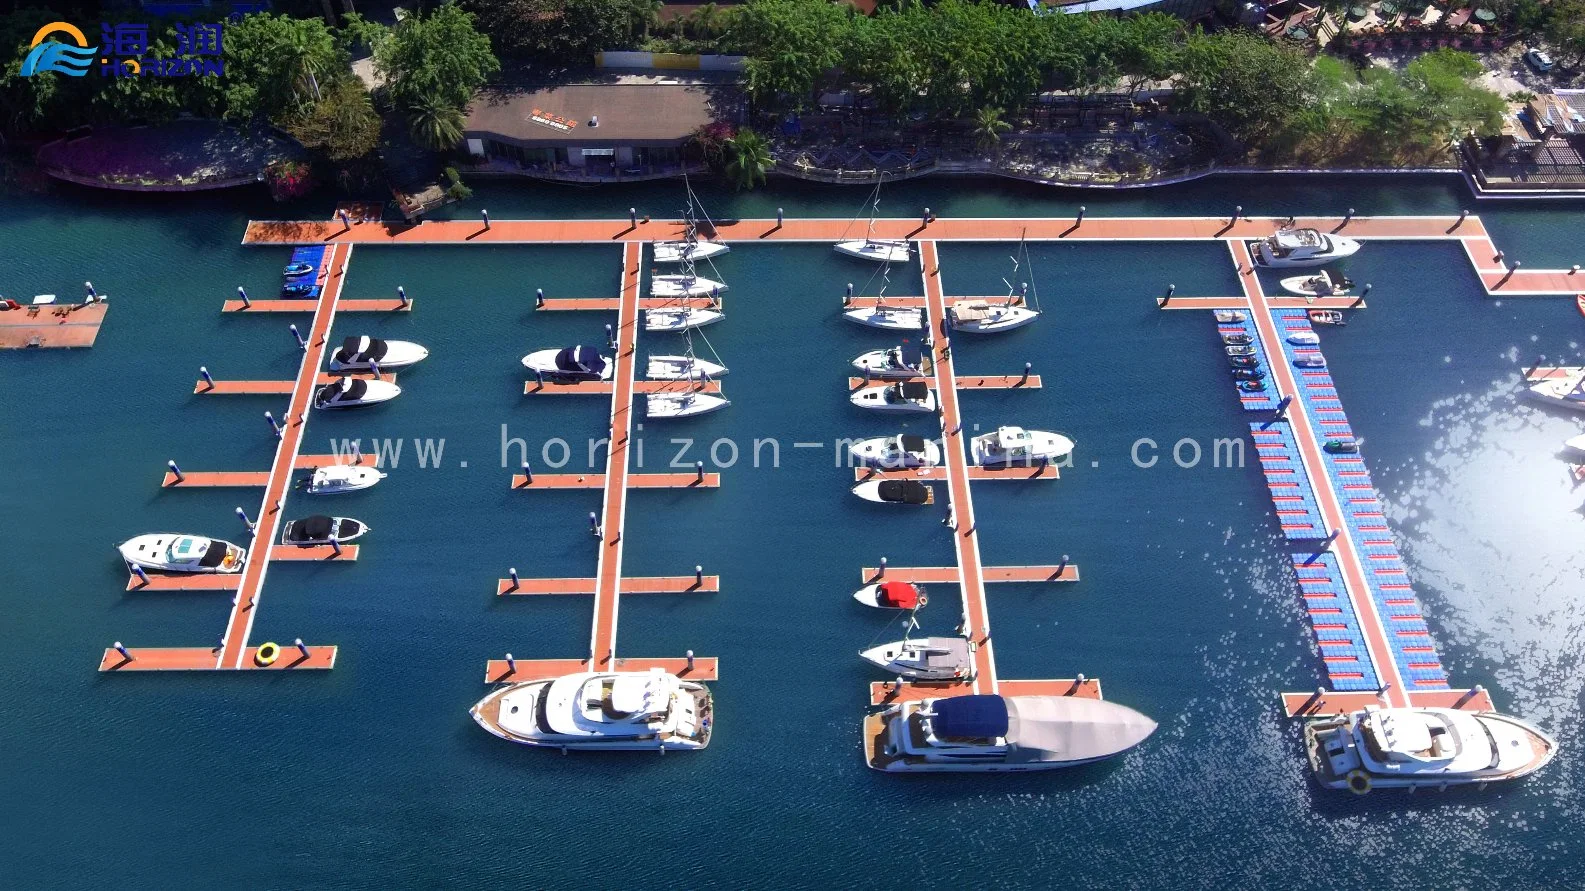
(339,478)
(169,552)
(1326,317)
(1291,248)
(1231,316)
(1248,374)
(892,595)
(682,405)
(293,270)
(682,368)
(980,317)
(914,396)
(1243,361)
(897,452)
(1240,350)
(894,363)
(363,353)
(1238,339)
(891,318)
(350,392)
(298,289)
(1252,386)
(1319,285)
(1015,445)
(924,659)
(1310,360)
(1304,338)
(889,491)
(321,530)
(575,363)
(680,319)
(1342,446)
(684,285)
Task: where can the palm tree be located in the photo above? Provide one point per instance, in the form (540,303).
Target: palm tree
(988,128)
(436,125)
(750,160)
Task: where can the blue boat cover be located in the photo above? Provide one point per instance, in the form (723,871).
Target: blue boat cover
(970,717)
(580,358)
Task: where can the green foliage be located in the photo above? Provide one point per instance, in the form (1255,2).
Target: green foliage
(356,31)
(276,66)
(562,32)
(435,125)
(439,57)
(989,127)
(455,190)
(792,44)
(1563,30)
(343,123)
(750,160)
(1253,87)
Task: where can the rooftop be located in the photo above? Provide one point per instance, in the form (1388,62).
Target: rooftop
(630,109)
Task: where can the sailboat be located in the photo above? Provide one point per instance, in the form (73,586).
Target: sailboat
(923,659)
(891,318)
(686,367)
(985,317)
(684,402)
(689,248)
(881,250)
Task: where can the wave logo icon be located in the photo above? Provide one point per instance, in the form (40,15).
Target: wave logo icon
(56,56)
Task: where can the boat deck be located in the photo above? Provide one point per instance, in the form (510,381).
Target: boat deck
(52,326)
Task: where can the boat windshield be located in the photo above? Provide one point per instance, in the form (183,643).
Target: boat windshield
(185,548)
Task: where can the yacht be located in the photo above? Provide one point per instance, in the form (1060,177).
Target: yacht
(682,318)
(881,250)
(687,250)
(683,285)
(892,595)
(169,552)
(321,530)
(363,353)
(1319,285)
(1291,248)
(682,405)
(914,396)
(892,318)
(1416,748)
(682,368)
(575,363)
(890,491)
(1567,391)
(894,363)
(980,317)
(339,478)
(1015,445)
(924,659)
(897,452)
(351,392)
(1000,733)
(610,711)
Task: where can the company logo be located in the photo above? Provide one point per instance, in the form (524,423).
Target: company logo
(56,56)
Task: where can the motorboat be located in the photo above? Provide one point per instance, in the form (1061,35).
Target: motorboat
(1291,248)
(1015,445)
(981,317)
(682,318)
(1322,284)
(1342,446)
(897,452)
(575,363)
(684,285)
(294,270)
(881,250)
(1252,386)
(1240,350)
(892,318)
(893,363)
(1304,338)
(890,491)
(892,595)
(682,368)
(1237,339)
(687,250)
(1309,360)
(1248,374)
(298,289)
(363,353)
(338,478)
(1565,392)
(991,733)
(914,396)
(351,392)
(1243,361)
(611,711)
(1231,316)
(924,659)
(1326,317)
(171,552)
(683,404)
(321,530)
(1419,748)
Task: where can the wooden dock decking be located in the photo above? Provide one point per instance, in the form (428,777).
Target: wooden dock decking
(634,480)
(202,387)
(52,326)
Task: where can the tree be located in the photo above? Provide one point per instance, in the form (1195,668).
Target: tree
(1253,87)
(435,125)
(560,32)
(750,160)
(1564,31)
(343,123)
(437,57)
(989,127)
(791,45)
(275,65)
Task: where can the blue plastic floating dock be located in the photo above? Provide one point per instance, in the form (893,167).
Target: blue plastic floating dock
(1265,400)
(1291,493)
(1332,618)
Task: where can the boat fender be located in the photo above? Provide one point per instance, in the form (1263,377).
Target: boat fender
(1358,782)
(267,654)
(229,560)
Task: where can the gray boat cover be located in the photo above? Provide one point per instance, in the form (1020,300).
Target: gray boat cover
(1068,728)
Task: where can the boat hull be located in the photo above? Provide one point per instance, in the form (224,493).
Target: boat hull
(888,318)
(880,251)
(344,531)
(1333,773)
(682,368)
(678,251)
(335,481)
(877,452)
(682,405)
(486,713)
(544,362)
(1556,393)
(378,391)
(146,551)
(662,320)
(398,354)
(874,399)
(1005,318)
(683,286)
(1048,447)
(875,364)
(870,595)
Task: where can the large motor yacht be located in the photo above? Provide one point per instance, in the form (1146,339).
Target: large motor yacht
(1293,248)
(1416,748)
(611,710)
(982,733)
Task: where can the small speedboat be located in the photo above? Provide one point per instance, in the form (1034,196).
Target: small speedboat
(351,392)
(682,405)
(892,595)
(1252,386)
(1231,316)
(1248,374)
(1326,317)
(1015,445)
(980,317)
(1423,748)
(894,363)
(1290,248)
(914,396)
(1243,361)
(636,711)
(1304,338)
(170,552)
(321,530)
(1240,350)
(575,363)
(678,251)
(897,452)
(682,318)
(293,270)
(338,478)
(925,659)
(363,353)
(892,318)
(1342,446)
(1319,285)
(990,733)
(298,289)
(683,286)
(682,368)
(1239,339)
(1309,360)
(881,250)
(889,491)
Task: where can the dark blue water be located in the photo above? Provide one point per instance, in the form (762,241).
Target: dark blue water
(373,773)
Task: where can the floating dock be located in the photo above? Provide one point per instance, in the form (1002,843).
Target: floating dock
(52,326)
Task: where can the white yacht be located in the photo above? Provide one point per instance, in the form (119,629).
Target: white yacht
(1567,391)
(683,285)
(924,659)
(1291,248)
(1015,445)
(897,452)
(575,363)
(321,530)
(1416,748)
(889,491)
(351,392)
(881,250)
(913,396)
(892,595)
(682,318)
(611,711)
(1319,285)
(687,250)
(363,353)
(1000,733)
(169,552)
(981,317)
(682,368)
(339,478)
(683,404)
(892,318)
(893,363)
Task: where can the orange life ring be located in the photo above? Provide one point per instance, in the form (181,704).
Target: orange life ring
(1358,782)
